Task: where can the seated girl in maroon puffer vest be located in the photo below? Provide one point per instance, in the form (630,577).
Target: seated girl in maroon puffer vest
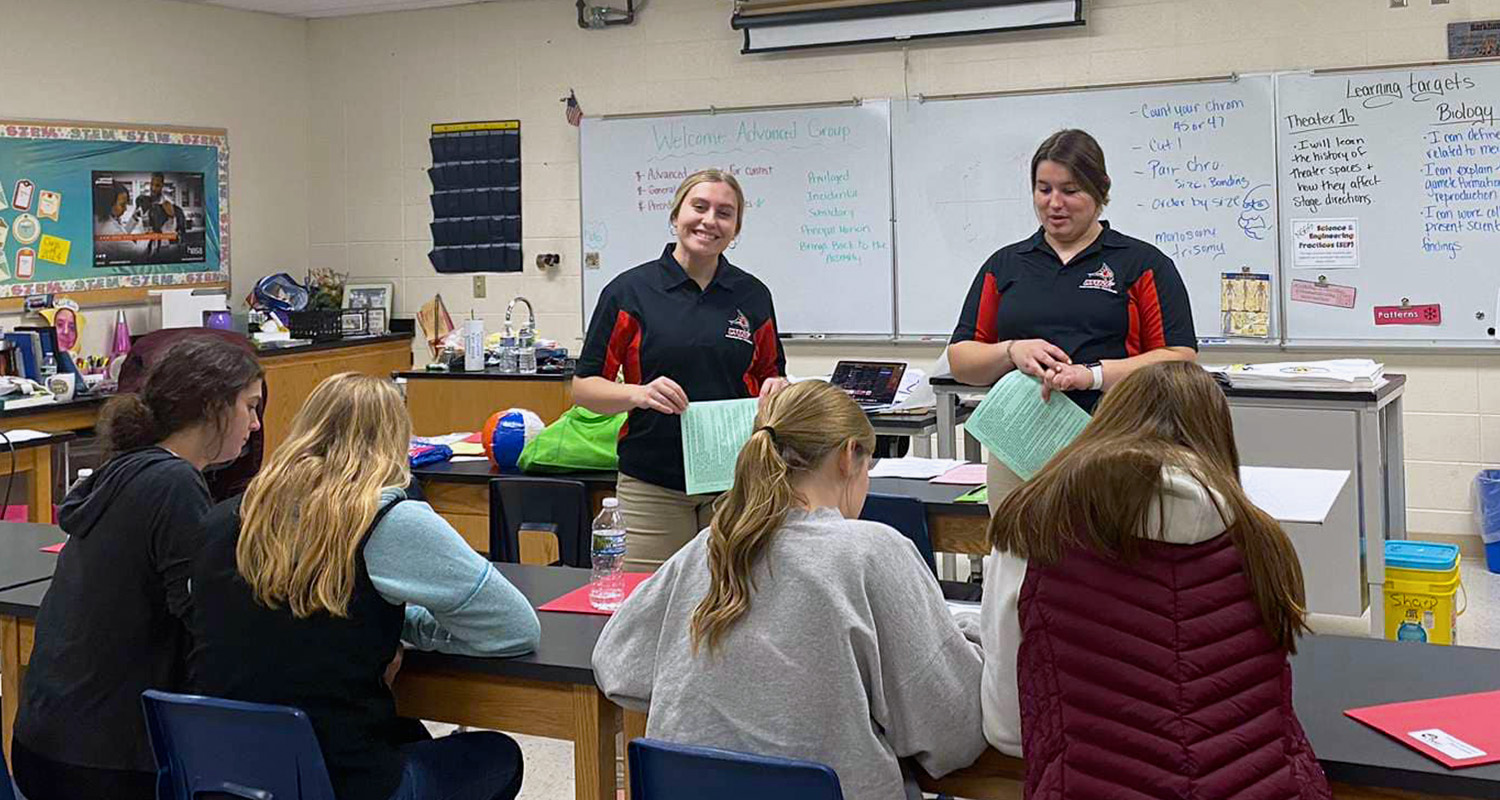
(1139,612)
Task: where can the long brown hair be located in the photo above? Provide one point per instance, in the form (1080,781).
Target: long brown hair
(195,380)
(797,429)
(1097,493)
(304,515)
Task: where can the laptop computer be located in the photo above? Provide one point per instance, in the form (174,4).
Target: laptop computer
(872,384)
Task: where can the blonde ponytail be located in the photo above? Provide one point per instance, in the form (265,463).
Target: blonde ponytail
(796,430)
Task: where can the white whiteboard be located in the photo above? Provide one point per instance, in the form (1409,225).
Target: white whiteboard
(817,226)
(1193,167)
(1404,164)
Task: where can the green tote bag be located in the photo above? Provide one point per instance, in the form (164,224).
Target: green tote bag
(578,440)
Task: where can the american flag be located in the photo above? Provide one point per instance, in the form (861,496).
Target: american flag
(573,111)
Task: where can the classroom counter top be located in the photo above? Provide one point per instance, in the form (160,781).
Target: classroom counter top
(16,417)
(1331,674)
(488,374)
(1392,384)
(336,344)
(481,472)
(21,559)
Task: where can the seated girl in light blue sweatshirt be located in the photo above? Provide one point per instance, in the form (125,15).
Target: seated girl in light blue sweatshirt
(305,587)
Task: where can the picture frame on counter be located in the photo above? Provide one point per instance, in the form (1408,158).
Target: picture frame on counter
(370,295)
(354,321)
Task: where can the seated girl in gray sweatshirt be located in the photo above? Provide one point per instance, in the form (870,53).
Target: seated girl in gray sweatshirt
(791,628)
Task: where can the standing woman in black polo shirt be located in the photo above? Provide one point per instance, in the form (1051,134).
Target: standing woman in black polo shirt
(1077,304)
(686,327)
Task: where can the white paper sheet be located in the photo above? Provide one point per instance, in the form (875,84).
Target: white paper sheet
(1294,495)
(25,435)
(913,467)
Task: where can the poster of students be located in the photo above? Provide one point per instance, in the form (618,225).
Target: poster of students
(148,218)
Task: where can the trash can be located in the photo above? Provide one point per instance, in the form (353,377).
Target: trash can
(1487,514)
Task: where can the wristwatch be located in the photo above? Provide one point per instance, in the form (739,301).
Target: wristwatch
(1097,370)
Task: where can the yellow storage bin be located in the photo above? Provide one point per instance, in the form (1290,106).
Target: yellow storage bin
(1421,585)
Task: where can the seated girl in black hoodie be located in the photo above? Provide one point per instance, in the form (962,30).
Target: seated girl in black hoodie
(113,621)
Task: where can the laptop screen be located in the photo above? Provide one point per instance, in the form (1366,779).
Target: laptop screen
(869,382)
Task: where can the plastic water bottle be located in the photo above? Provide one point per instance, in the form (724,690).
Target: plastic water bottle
(607,590)
(83,475)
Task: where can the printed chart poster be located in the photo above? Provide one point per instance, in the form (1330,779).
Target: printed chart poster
(143,218)
(1245,304)
(1325,243)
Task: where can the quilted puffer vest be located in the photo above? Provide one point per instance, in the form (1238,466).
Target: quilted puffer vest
(1156,679)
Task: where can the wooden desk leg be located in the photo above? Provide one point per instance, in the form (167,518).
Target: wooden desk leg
(40,484)
(595,721)
(635,728)
(10,679)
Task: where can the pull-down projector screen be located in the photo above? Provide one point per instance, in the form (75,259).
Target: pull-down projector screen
(894,21)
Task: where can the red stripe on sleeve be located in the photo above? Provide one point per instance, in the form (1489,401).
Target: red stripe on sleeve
(763,362)
(1146,332)
(987,320)
(624,350)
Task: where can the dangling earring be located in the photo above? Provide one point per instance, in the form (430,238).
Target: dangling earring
(733,243)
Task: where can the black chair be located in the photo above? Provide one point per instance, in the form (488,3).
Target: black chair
(909,516)
(554,504)
(664,771)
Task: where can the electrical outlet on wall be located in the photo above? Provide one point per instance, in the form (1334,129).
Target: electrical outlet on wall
(1398,3)
(479,287)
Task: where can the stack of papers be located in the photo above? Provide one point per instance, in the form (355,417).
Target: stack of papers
(1336,375)
(922,468)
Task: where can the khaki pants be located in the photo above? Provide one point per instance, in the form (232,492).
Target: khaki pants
(999,482)
(658,521)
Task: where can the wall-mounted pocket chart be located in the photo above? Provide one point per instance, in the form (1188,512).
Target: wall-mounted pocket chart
(1354,208)
(817,227)
(1390,205)
(1193,171)
(476,196)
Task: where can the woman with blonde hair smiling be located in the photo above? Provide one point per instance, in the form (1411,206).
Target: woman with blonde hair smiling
(308,583)
(791,628)
(1139,611)
(685,327)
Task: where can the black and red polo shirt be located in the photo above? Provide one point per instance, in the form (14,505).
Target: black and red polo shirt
(717,343)
(1118,298)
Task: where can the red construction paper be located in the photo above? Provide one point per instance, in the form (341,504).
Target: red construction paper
(577,601)
(1472,718)
(54,548)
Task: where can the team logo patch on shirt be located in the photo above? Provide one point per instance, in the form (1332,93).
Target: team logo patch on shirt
(739,327)
(1102,279)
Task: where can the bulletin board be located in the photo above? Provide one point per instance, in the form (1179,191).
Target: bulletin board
(102,211)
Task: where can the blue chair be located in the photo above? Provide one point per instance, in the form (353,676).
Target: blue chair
(205,745)
(909,516)
(7,789)
(664,771)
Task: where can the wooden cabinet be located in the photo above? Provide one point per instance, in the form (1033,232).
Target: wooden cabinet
(448,402)
(293,374)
